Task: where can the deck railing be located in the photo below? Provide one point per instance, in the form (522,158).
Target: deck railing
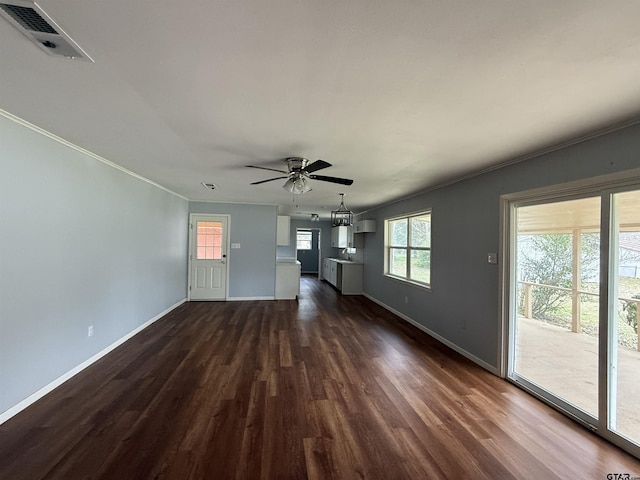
(576,295)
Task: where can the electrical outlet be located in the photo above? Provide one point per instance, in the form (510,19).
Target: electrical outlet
(492,258)
(90,331)
(406,299)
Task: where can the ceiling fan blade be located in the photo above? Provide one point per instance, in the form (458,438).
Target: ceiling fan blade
(317,165)
(266,168)
(342,181)
(268,180)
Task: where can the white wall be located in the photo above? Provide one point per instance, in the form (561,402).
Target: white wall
(81,243)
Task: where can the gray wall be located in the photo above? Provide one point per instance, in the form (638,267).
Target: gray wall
(252,267)
(81,243)
(463,304)
(326,250)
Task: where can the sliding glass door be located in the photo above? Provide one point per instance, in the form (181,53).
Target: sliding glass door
(556,322)
(573,302)
(624,303)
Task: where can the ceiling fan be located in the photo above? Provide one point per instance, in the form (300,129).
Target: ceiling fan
(300,171)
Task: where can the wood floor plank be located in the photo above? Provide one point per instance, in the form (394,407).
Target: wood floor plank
(326,387)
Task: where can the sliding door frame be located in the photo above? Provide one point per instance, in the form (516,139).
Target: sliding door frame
(604,187)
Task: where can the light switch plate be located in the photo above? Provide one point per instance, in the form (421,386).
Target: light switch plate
(492,258)
(235,245)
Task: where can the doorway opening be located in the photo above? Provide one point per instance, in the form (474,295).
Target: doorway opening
(308,250)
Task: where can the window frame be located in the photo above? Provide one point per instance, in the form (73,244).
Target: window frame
(388,247)
(305,233)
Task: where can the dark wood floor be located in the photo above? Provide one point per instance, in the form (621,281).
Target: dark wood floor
(326,387)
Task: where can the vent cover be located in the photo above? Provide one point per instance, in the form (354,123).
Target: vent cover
(28,18)
(40,28)
(210,186)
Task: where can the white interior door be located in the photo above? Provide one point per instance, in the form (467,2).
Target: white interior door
(208,257)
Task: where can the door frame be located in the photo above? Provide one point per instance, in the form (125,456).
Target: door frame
(319,247)
(190,252)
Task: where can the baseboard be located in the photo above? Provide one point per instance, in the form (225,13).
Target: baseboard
(243,299)
(433,334)
(7,414)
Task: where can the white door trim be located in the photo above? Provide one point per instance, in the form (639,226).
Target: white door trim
(227,249)
(319,247)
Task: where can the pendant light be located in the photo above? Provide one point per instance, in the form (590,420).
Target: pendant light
(341,216)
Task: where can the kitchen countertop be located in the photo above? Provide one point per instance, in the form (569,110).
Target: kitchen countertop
(341,260)
(287,260)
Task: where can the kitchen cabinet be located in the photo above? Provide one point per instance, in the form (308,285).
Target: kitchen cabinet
(283,230)
(365,226)
(326,269)
(330,271)
(342,237)
(345,275)
(287,278)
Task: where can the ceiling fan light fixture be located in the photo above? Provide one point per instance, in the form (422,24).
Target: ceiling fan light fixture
(342,216)
(297,185)
(299,173)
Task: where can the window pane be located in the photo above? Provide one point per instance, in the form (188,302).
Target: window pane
(624,414)
(421,266)
(557,322)
(204,227)
(398,232)
(398,262)
(209,234)
(303,240)
(421,231)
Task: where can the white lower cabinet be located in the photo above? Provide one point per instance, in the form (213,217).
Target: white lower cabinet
(344,275)
(326,267)
(287,279)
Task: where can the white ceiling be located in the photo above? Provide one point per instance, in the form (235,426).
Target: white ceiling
(397,95)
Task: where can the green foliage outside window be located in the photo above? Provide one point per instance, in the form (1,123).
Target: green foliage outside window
(409,248)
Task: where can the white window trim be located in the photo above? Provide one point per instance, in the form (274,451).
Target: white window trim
(388,247)
(298,232)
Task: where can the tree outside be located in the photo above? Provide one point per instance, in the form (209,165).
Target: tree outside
(546,259)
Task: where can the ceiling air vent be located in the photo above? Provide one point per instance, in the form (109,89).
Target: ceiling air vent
(210,186)
(40,28)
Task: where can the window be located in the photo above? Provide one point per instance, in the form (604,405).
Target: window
(209,240)
(408,248)
(303,240)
